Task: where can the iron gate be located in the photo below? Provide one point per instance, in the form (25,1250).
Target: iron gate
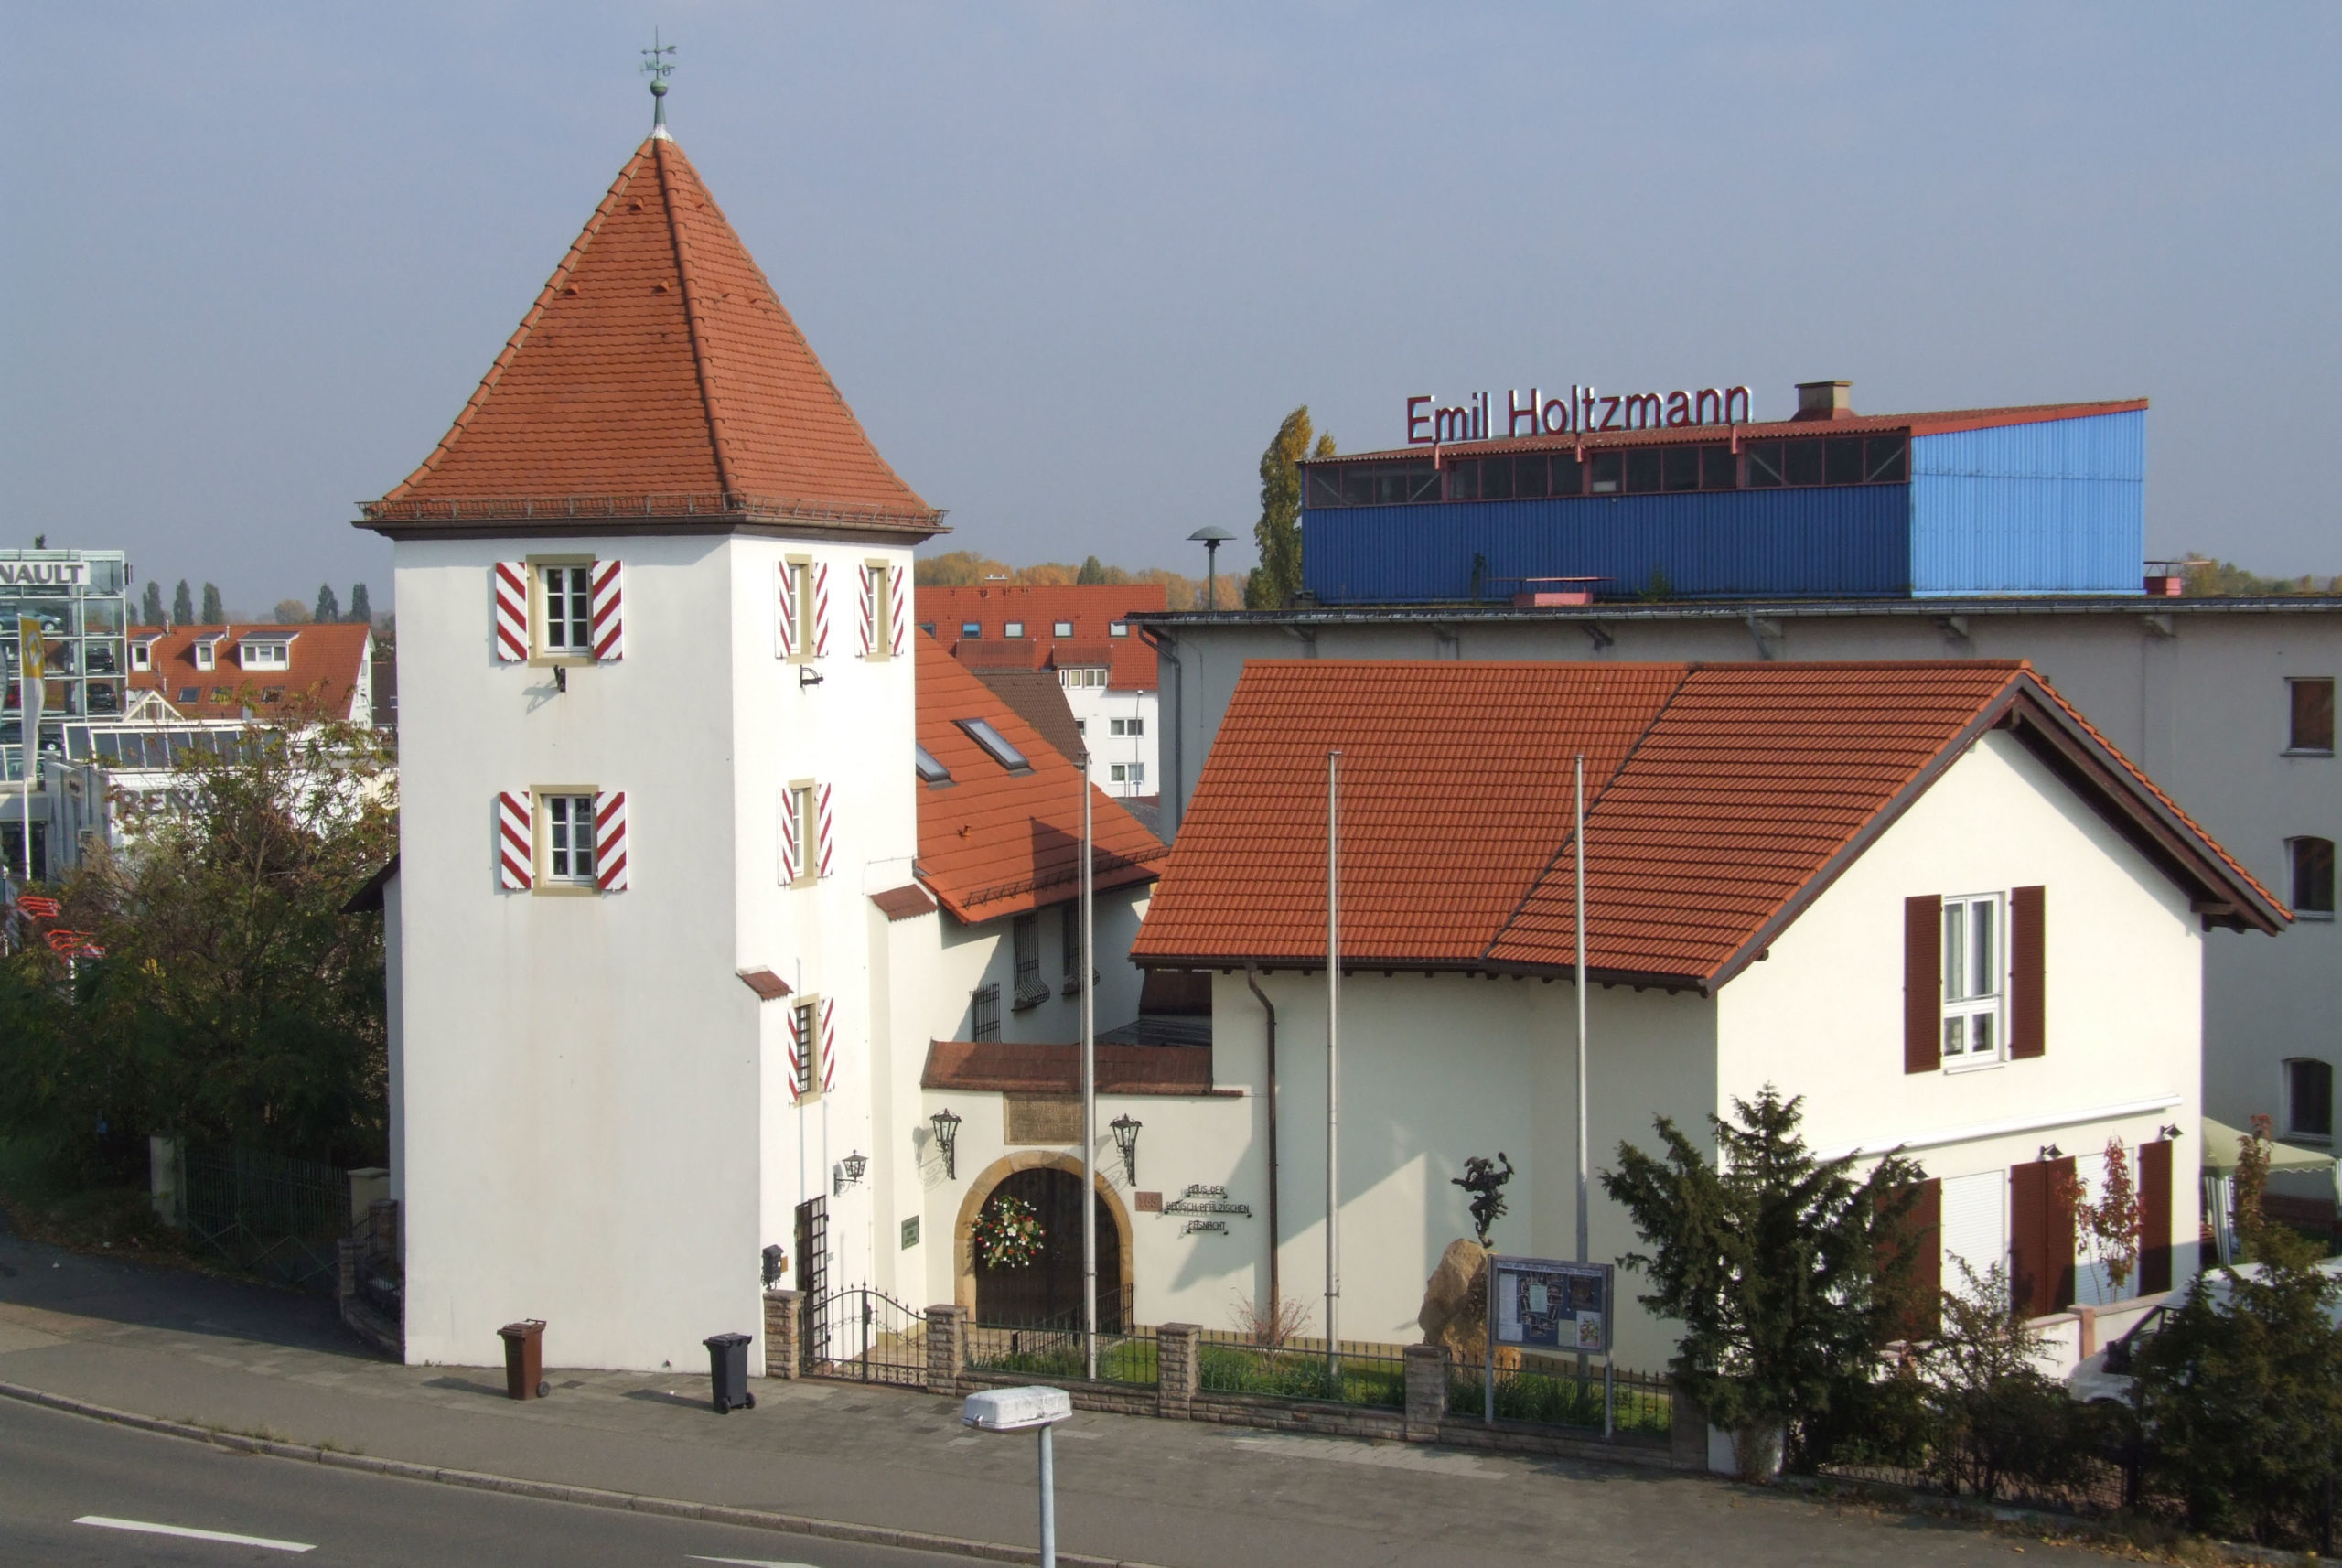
(813,1280)
(265,1214)
(869,1338)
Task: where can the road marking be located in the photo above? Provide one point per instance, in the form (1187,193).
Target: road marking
(145,1528)
(752,1561)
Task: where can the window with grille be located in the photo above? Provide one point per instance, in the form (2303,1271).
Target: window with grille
(1070,936)
(1031,989)
(806,1038)
(983,1014)
(568,838)
(1971,978)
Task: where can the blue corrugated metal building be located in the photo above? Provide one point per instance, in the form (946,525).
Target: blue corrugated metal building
(2020,501)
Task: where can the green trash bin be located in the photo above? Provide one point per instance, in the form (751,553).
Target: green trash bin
(728,1373)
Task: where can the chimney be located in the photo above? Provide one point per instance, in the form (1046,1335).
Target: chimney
(1825,399)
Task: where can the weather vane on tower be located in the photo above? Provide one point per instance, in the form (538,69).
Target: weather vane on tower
(657,67)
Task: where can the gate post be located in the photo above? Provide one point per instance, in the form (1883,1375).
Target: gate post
(947,1348)
(1175,1370)
(782,1341)
(1426,1391)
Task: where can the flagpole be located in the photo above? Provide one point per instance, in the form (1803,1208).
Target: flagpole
(1333,1065)
(1088,1095)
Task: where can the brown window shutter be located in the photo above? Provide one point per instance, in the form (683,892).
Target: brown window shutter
(2027,946)
(2154,1216)
(1922,983)
(1921,1315)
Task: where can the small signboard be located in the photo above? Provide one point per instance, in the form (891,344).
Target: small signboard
(1546,1304)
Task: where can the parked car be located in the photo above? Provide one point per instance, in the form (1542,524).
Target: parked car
(2105,1378)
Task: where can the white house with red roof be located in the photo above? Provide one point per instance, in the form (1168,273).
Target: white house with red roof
(1082,635)
(264,672)
(1928,898)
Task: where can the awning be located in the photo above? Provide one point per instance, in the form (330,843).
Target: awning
(2221,1142)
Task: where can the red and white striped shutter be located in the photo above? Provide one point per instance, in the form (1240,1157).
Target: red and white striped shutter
(865,612)
(797,1044)
(784,642)
(820,574)
(516,851)
(791,852)
(829,1043)
(607,609)
(511,585)
(898,609)
(609,840)
(829,832)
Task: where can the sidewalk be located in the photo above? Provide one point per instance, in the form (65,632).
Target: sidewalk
(244,1358)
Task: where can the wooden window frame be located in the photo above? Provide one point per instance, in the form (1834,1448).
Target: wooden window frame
(541,653)
(541,880)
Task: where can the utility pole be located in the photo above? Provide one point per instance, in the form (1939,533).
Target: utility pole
(1333,1068)
(1089,1100)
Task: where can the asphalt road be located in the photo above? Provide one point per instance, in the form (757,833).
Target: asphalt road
(58,1470)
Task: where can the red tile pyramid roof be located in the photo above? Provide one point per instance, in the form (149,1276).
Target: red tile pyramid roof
(657,375)
(1720,800)
(993,843)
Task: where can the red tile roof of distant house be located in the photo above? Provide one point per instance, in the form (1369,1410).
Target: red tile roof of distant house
(1091,609)
(325,665)
(1721,799)
(994,842)
(1014,1067)
(1846,422)
(658,376)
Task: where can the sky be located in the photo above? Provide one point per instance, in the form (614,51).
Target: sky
(1072,263)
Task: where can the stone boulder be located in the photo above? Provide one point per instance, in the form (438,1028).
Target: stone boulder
(1455,1306)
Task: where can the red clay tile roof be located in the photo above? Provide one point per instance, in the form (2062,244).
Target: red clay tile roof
(993,843)
(907,902)
(1014,1067)
(1092,608)
(1938,424)
(1040,700)
(325,664)
(659,375)
(1720,799)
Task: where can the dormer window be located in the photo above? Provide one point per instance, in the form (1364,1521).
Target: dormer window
(141,656)
(265,653)
(207,654)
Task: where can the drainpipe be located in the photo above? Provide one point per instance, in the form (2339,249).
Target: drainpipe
(1252,979)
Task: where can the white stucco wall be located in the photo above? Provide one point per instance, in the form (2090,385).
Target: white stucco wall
(589,1130)
(1094,708)
(1822,1017)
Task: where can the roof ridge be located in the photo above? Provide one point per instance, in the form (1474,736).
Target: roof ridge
(1626,759)
(660,147)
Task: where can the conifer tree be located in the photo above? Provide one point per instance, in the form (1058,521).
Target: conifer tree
(1278,533)
(182,605)
(150,608)
(214,614)
(361,607)
(329,606)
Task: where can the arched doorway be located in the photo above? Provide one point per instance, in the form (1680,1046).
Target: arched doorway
(1049,1290)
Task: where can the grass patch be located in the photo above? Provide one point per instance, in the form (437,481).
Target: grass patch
(1560,1399)
(1059,1356)
(1301,1374)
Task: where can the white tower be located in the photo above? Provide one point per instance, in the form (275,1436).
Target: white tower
(656,739)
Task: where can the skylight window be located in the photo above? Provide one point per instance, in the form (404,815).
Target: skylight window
(930,770)
(995,744)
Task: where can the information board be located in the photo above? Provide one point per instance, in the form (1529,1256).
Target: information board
(1544,1304)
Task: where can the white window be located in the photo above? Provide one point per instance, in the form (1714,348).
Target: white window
(1061,629)
(972,629)
(1127,773)
(1129,726)
(141,656)
(1082,677)
(568,838)
(1976,1228)
(1118,628)
(269,655)
(1013,628)
(1972,946)
(207,655)
(566,628)
(800,830)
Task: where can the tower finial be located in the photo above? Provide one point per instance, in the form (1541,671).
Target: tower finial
(656,66)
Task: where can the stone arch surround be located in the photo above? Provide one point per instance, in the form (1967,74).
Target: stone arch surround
(988,1180)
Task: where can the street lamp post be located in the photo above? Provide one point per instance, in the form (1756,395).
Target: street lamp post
(1211,538)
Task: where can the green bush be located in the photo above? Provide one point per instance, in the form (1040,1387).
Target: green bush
(1997,1420)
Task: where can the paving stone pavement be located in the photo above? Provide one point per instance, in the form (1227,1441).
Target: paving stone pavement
(242,1357)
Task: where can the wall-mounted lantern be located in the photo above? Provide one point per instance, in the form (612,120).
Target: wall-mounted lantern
(1126,1128)
(849,1173)
(2051,1152)
(947,1138)
(2170,1131)
(776,1265)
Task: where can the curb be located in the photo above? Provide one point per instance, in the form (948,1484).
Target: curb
(557,1492)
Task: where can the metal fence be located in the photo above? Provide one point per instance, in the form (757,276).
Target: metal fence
(871,1338)
(268,1215)
(1053,1348)
(1554,1394)
(1357,1373)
